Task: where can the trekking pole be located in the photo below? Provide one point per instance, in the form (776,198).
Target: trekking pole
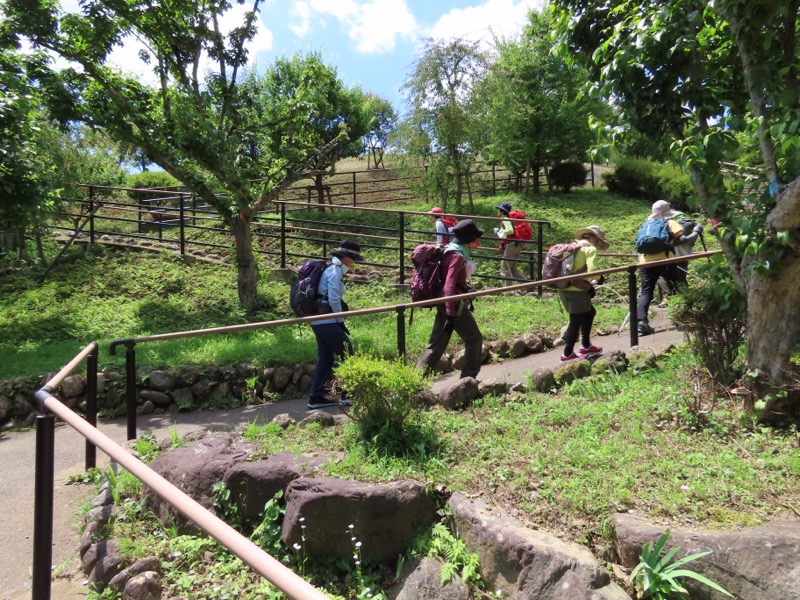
(703,241)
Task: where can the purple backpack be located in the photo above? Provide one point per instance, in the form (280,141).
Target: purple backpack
(303,291)
(427,282)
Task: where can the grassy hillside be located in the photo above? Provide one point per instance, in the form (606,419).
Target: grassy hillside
(104,293)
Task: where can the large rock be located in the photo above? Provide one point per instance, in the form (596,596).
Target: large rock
(613,361)
(422,581)
(144,586)
(758,563)
(194,469)
(385,519)
(459,394)
(542,380)
(524,563)
(149,563)
(253,484)
(572,370)
(73,386)
(161,380)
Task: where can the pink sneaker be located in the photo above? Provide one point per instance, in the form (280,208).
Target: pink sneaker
(572,356)
(590,350)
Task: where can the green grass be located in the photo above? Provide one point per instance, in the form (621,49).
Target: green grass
(104,294)
(566,462)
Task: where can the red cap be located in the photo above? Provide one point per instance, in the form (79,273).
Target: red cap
(435,211)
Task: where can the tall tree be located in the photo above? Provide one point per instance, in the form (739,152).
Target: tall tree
(443,124)
(535,115)
(26,190)
(701,73)
(206,122)
(383,120)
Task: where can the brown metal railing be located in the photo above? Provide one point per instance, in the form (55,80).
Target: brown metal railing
(276,573)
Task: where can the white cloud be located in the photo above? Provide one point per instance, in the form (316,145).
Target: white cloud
(374,26)
(502,18)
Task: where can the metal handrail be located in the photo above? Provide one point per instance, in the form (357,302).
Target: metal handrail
(130,343)
(260,561)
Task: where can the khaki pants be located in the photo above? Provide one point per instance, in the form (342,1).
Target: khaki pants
(467,329)
(509,268)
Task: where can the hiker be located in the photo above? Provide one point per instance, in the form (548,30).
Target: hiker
(443,225)
(671,233)
(455,270)
(332,334)
(577,296)
(511,249)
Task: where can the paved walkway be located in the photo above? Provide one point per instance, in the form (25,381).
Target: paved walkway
(17,455)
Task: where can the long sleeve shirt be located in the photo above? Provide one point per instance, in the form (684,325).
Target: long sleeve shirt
(331,288)
(506,230)
(442,233)
(454,275)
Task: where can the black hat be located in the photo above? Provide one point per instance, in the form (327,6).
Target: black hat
(504,206)
(466,231)
(349,249)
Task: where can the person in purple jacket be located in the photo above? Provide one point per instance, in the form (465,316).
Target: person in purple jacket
(455,270)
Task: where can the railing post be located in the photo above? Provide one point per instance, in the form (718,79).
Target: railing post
(354,189)
(91,216)
(181,213)
(283,235)
(130,389)
(540,252)
(401,333)
(43,507)
(494,181)
(402,261)
(633,319)
(91,406)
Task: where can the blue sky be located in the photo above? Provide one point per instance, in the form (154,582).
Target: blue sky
(372,43)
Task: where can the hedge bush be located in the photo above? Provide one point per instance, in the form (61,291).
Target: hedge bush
(566,175)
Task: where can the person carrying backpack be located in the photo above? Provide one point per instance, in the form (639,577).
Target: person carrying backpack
(444,224)
(511,248)
(332,334)
(655,241)
(455,269)
(577,296)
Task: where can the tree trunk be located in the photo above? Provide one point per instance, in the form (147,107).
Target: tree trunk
(246,266)
(318,184)
(536,187)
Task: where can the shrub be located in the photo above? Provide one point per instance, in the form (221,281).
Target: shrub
(646,179)
(712,312)
(149,180)
(384,399)
(567,175)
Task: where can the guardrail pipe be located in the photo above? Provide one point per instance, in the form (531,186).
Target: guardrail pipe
(402,248)
(401,333)
(91,406)
(130,389)
(633,318)
(43,506)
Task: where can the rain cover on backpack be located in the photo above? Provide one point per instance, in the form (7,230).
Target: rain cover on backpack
(427,282)
(522,229)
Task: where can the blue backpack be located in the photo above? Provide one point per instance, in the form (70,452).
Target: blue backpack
(653,237)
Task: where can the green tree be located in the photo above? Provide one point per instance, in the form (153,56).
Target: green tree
(207,122)
(535,115)
(383,121)
(443,125)
(706,74)
(26,192)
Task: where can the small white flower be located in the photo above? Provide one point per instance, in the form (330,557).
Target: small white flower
(301,519)
(358,544)
(350,526)
(352,539)
(296,547)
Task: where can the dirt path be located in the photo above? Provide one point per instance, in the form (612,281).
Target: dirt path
(17,455)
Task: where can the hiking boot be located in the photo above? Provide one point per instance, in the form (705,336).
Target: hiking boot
(345,402)
(320,402)
(645,329)
(590,350)
(572,356)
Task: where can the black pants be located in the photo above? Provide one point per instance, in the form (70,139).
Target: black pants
(579,324)
(649,277)
(467,329)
